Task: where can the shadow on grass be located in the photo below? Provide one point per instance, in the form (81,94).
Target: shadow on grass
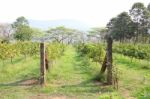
(88,86)
(91,85)
(25,82)
(83,65)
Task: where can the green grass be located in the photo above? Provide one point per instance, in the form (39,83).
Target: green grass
(72,76)
(133,77)
(12,74)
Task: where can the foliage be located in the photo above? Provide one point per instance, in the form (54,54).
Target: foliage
(94,51)
(23,33)
(6,32)
(148,7)
(54,50)
(20,21)
(97,33)
(133,26)
(28,48)
(37,32)
(10,50)
(22,29)
(139,51)
(65,35)
(121,27)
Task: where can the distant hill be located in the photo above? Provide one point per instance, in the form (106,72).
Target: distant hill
(45,24)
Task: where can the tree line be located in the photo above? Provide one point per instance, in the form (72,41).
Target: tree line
(21,30)
(131,26)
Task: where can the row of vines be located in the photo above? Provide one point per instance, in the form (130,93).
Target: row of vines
(96,52)
(25,49)
(138,51)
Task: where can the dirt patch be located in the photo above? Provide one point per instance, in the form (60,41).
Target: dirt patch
(44,96)
(126,94)
(29,82)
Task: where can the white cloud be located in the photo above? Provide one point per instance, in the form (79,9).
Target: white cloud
(93,12)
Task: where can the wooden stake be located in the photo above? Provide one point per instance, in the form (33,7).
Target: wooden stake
(109,60)
(42,67)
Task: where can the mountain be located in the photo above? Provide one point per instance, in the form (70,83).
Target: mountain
(45,24)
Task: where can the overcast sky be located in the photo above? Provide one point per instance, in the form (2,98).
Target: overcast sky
(92,12)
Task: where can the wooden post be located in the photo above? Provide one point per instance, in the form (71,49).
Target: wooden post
(109,60)
(42,67)
(104,65)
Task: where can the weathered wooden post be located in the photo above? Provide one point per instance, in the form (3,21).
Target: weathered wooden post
(103,68)
(42,64)
(109,60)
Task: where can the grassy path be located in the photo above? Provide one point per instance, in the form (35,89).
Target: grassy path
(72,75)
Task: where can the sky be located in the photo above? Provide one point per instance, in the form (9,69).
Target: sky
(92,12)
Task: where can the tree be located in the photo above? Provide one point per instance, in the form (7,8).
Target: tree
(121,27)
(58,33)
(38,32)
(97,34)
(23,33)
(22,29)
(148,7)
(63,34)
(140,17)
(20,21)
(6,32)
